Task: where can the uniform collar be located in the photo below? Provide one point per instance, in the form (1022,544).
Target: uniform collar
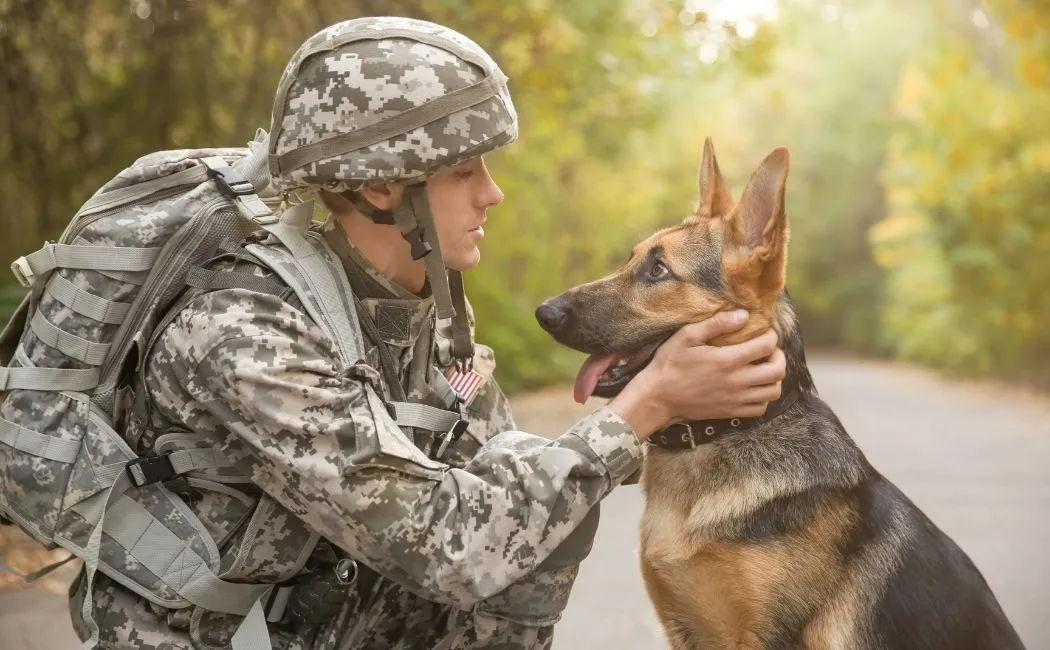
(366,280)
(399,315)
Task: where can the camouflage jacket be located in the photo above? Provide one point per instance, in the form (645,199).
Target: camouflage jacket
(476,549)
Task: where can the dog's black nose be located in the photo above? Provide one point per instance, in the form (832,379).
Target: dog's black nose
(551,316)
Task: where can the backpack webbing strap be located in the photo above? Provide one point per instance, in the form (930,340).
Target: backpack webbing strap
(316,278)
(86,303)
(208,279)
(38,444)
(239,189)
(125,195)
(422,416)
(169,465)
(68,344)
(138,278)
(440,384)
(100,258)
(50,379)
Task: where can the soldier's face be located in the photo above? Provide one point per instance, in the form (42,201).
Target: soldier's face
(460,198)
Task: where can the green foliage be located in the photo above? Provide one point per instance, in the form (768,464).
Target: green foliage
(966,241)
(10,297)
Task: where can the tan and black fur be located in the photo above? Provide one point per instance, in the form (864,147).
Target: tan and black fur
(780,534)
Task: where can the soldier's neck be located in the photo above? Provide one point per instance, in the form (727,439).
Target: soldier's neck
(384,247)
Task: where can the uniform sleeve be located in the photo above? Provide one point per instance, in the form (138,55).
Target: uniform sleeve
(319,440)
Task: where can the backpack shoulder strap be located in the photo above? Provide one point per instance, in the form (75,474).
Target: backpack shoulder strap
(310,269)
(314,273)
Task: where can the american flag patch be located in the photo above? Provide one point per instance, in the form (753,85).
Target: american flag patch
(466,384)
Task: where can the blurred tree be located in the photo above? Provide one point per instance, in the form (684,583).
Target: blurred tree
(826,93)
(967,241)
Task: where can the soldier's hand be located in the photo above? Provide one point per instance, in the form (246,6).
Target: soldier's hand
(691,380)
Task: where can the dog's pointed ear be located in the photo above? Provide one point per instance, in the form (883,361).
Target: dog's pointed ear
(715,200)
(760,218)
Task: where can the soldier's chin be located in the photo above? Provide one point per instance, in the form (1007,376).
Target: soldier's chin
(463,261)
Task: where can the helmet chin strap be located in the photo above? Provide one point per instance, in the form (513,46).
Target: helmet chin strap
(416,222)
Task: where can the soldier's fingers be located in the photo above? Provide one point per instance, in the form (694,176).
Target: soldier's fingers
(696,334)
(754,349)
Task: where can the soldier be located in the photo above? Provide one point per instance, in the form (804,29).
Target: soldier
(383,530)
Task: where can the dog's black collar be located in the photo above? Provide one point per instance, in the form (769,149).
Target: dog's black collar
(683,436)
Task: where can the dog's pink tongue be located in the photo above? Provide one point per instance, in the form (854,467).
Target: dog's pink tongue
(589,374)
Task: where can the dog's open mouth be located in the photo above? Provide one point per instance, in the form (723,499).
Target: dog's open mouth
(605,375)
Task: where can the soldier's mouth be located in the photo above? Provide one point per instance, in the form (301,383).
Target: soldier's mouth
(605,375)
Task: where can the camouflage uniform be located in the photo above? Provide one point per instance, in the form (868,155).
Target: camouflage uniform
(477,548)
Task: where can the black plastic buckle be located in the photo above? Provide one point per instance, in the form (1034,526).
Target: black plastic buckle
(452,436)
(420,248)
(148,470)
(231,183)
(457,429)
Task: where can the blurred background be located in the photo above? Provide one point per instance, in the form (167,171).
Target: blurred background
(918,133)
(920,150)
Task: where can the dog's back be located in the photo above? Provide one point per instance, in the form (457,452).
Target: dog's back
(935,597)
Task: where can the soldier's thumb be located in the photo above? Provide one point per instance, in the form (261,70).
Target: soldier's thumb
(721,323)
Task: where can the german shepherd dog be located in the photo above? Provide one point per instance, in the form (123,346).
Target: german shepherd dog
(775,531)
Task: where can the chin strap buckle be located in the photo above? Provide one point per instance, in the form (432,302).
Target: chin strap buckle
(420,247)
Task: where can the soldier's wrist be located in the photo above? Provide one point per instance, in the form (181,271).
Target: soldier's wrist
(641,407)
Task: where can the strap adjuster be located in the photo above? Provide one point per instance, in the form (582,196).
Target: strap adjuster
(453,434)
(230,182)
(420,247)
(23,272)
(148,470)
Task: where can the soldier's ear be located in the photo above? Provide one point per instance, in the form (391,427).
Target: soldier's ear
(335,202)
(385,196)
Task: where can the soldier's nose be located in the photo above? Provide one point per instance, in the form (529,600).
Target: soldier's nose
(552,316)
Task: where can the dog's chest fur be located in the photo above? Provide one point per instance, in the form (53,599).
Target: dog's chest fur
(733,529)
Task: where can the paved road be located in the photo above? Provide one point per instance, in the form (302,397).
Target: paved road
(975,457)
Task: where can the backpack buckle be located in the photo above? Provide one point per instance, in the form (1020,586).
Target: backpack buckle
(453,435)
(230,182)
(148,470)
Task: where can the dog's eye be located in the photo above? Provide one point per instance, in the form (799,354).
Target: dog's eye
(658,270)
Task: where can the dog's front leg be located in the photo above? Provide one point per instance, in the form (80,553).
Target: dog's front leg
(679,636)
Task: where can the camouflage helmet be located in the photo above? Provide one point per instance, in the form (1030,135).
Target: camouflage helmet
(384,99)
